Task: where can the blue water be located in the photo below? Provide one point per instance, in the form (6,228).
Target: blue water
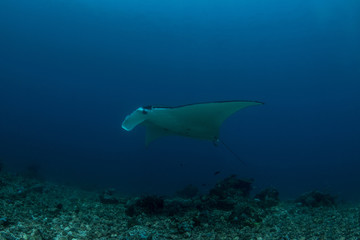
(70,71)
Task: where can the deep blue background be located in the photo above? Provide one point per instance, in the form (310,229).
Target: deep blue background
(70,71)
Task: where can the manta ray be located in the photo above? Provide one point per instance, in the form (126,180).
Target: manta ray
(198,120)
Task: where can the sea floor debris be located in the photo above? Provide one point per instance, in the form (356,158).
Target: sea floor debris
(38,210)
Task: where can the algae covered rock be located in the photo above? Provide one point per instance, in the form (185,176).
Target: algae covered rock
(232,187)
(268,197)
(246,214)
(226,194)
(316,199)
(149,204)
(178,206)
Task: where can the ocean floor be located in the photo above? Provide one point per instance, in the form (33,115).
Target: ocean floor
(39,210)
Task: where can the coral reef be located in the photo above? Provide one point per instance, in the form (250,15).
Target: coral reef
(38,210)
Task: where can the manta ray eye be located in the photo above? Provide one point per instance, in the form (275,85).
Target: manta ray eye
(146,109)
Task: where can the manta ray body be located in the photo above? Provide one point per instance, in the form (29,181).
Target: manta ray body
(200,120)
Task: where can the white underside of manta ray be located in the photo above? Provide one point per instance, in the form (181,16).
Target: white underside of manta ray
(200,120)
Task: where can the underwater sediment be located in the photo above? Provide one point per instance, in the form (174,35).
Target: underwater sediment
(38,210)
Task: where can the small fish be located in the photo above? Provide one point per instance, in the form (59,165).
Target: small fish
(216,173)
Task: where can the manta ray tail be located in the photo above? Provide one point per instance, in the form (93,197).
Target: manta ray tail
(231,151)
